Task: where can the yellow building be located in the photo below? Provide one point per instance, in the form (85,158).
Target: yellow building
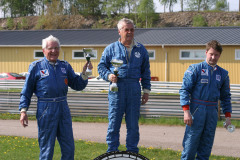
(171,50)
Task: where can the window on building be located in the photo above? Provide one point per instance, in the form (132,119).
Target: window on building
(192,54)
(38,54)
(79,54)
(237,54)
(151,54)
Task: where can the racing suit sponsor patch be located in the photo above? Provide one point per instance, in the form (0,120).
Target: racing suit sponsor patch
(204,72)
(63,70)
(218,77)
(137,54)
(44,73)
(204,80)
(66,81)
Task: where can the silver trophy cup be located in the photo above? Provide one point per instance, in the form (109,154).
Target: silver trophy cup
(230,128)
(88,52)
(116,63)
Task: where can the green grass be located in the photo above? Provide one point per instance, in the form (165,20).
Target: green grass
(15,148)
(170,121)
(11,90)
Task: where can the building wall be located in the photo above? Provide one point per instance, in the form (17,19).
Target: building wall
(17,59)
(157,66)
(228,62)
(78,64)
(177,67)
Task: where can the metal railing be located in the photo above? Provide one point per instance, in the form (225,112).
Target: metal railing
(96,104)
(100,85)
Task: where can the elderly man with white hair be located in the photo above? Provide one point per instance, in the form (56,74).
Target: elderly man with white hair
(49,79)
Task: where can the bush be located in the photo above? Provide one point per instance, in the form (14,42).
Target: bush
(199,21)
(10,23)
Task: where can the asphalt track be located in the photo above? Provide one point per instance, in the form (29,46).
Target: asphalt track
(167,137)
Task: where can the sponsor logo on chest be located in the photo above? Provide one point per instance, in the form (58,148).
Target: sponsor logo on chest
(44,73)
(63,70)
(137,54)
(218,77)
(204,72)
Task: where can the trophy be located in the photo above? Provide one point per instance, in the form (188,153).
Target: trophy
(88,52)
(230,128)
(116,63)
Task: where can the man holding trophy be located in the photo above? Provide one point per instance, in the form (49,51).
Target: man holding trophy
(123,63)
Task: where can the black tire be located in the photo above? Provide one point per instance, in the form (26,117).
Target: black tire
(121,155)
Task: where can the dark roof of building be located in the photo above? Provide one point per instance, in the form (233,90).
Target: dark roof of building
(103,37)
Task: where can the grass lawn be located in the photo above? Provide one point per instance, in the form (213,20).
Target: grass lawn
(23,148)
(170,121)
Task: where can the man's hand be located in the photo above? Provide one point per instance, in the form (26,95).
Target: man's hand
(228,122)
(113,78)
(24,119)
(188,118)
(87,65)
(144,98)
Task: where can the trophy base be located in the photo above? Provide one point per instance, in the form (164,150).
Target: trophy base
(113,87)
(230,128)
(88,72)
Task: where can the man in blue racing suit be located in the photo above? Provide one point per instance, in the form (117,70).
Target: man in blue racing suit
(49,79)
(203,85)
(128,97)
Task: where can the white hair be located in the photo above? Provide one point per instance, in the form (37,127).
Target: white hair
(124,20)
(49,39)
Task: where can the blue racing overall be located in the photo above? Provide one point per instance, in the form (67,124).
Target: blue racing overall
(128,98)
(203,85)
(50,84)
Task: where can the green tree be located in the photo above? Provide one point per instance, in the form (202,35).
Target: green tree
(169,3)
(4,8)
(18,8)
(146,12)
(221,5)
(181,2)
(198,5)
(132,5)
(114,7)
(86,7)
(54,18)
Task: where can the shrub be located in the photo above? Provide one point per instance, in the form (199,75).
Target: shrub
(199,21)
(10,23)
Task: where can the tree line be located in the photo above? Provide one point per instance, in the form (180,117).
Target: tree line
(19,8)
(142,11)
